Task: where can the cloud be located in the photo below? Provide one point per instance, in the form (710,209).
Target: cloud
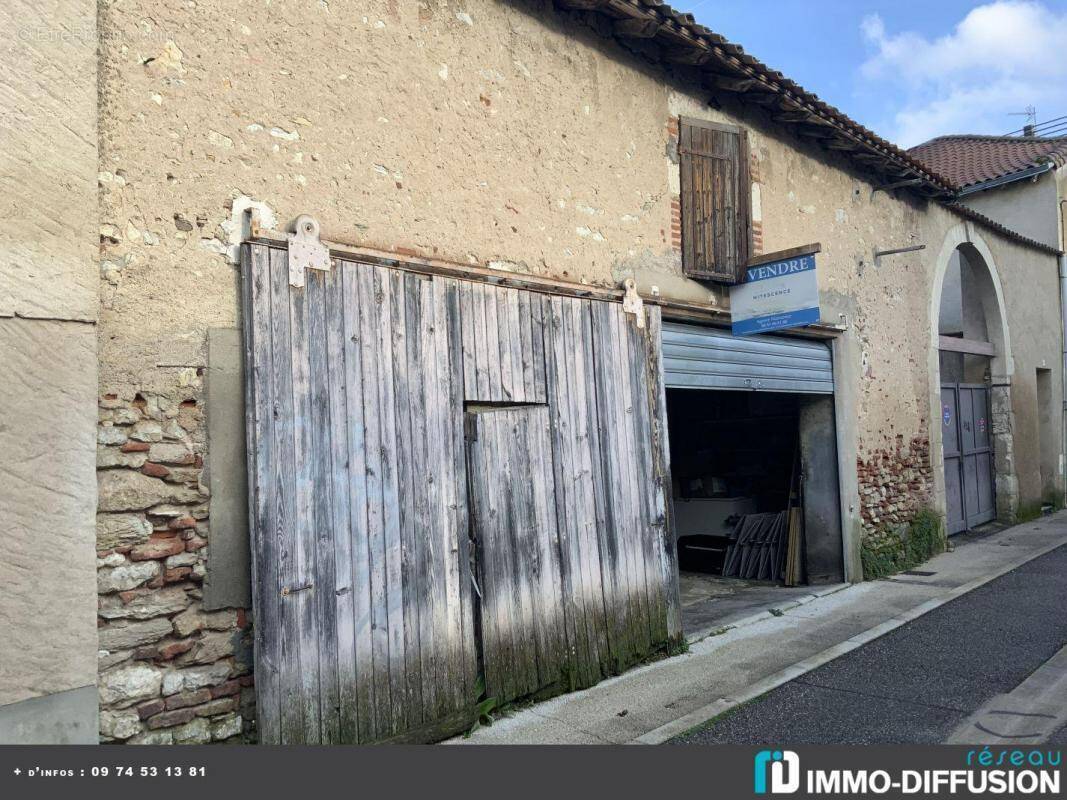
(1000,58)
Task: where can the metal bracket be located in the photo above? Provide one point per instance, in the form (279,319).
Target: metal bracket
(632,302)
(306,250)
(897,250)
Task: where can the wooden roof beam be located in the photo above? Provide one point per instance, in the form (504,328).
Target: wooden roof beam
(583,5)
(691,56)
(733,83)
(637,28)
(815,132)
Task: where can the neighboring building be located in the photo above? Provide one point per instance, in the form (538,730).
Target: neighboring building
(1015,180)
(469,391)
(1018,181)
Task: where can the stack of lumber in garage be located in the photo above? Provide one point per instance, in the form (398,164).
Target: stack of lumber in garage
(759,545)
(793,564)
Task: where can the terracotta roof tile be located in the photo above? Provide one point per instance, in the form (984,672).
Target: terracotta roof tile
(968,160)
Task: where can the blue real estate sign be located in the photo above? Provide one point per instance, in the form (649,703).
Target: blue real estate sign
(776,295)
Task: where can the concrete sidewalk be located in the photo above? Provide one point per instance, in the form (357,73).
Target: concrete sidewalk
(653,703)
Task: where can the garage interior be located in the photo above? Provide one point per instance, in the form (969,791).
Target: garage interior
(753,472)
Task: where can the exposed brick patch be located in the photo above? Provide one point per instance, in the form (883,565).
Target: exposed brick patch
(226,689)
(186,699)
(155,470)
(169,719)
(757,238)
(894,483)
(151,564)
(157,548)
(676,223)
(150,709)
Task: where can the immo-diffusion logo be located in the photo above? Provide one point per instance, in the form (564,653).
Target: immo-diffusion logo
(784,769)
(1015,771)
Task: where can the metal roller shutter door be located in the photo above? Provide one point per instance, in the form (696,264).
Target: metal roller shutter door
(696,357)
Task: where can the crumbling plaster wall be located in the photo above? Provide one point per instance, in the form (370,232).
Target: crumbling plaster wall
(48,371)
(488,132)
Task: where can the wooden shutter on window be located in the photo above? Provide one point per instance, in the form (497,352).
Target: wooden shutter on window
(716,201)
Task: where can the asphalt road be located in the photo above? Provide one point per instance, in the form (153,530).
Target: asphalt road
(918,683)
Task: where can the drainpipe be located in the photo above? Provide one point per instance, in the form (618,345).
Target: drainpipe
(1063,340)
(1062,208)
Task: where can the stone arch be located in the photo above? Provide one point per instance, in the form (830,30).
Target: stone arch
(962,238)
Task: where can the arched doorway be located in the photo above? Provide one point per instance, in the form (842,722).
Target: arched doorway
(971,387)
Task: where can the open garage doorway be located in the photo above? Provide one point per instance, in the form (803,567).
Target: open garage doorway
(755,493)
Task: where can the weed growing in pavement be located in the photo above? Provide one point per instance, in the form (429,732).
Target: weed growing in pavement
(921,539)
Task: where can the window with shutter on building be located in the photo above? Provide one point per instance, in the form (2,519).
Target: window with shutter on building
(716,200)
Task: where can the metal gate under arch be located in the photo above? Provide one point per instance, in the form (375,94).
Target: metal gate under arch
(966,439)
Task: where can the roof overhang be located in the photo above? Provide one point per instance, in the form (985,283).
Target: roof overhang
(674,39)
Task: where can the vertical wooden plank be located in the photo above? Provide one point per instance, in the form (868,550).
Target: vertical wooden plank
(435,539)
(448,613)
(504,341)
(514,344)
(362,503)
(302,593)
(467,322)
(406,380)
(454,488)
(530,533)
(263,464)
(508,426)
(585,628)
(578,518)
(341,520)
(537,339)
(576,326)
(284,494)
(627,457)
(523,324)
(370,322)
(667,544)
(607,543)
(388,286)
(525,534)
(616,564)
(426,417)
(323,595)
(548,595)
(481,346)
(492,344)
(556,387)
(651,523)
(491,476)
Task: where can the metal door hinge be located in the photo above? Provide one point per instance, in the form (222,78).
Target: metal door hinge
(306,250)
(632,302)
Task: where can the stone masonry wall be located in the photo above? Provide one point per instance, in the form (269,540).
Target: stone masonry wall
(895,482)
(170,672)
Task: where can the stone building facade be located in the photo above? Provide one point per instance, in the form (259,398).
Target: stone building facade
(512,135)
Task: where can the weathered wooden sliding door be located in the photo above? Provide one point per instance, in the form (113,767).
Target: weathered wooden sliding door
(400,556)
(363,617)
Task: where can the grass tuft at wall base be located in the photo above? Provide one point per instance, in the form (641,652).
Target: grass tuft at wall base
(921,539)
